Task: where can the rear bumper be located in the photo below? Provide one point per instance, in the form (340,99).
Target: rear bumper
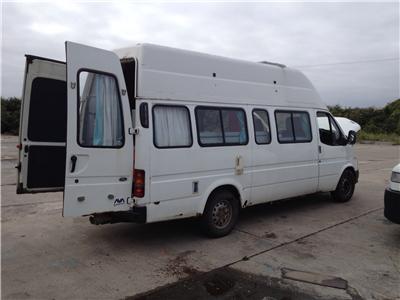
(137,214)
(357,175)
(392,205)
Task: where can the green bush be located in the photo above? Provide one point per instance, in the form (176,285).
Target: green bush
(381,124)
(10,108)
(373,120)
(382,137)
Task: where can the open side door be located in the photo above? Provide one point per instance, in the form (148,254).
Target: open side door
(99,152)
(43,125)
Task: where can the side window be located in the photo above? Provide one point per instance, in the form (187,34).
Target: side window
(336,131)
(262,131)
(293,126)
(100,113)
(209,126)
(221,126)
(284,127)
(171,125)
(302,127)
(234,126)
(329,132)
(324,127)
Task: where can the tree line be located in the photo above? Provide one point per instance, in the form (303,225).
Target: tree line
(384,120)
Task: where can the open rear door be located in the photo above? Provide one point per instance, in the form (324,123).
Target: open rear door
(43,125)
(99,152)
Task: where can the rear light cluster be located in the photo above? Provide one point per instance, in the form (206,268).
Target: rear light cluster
(138,183)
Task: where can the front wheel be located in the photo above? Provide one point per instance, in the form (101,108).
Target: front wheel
(221,214)
(345,188)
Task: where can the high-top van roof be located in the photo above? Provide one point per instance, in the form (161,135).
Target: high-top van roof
(169,73)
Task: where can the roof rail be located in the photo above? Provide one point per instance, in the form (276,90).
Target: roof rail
(272,63)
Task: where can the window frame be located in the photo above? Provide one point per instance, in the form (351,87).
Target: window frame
(291,112)
(78,106)
(254,126)
(220,108)
(331,119)
(154,127)
(31,128)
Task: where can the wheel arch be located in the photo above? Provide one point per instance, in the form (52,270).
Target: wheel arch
(346,167)
(230,185)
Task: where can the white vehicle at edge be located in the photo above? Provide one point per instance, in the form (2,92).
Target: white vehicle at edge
(392,196)
(152,133)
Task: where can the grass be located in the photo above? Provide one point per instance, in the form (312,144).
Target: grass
(381,137)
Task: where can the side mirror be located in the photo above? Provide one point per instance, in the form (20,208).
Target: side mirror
(351,137)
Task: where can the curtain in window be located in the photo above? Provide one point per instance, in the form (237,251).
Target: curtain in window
(171,126)
(101,115)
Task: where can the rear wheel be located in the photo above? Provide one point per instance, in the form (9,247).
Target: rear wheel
(221,214)
(345,188)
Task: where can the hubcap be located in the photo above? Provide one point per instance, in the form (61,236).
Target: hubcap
(222,214)
(346,187)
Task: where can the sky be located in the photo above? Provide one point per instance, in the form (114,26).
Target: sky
(350,51)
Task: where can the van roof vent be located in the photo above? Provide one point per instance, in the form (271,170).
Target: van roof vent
(272,63)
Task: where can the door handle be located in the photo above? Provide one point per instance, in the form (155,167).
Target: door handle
(73,161)
(239,165)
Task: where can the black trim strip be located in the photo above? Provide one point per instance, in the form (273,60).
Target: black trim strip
(33,57)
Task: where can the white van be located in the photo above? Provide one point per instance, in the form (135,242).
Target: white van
(152,133)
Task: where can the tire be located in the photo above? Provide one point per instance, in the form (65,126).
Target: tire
(345,188)
(220,214)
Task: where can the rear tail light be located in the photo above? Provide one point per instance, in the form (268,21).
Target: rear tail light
(138,183)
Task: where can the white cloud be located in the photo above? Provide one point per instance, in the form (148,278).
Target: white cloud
(48,28)
(295,34)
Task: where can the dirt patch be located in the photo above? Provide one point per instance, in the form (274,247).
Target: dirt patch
(179,266)
(226,283)
(218,285)
(270,235)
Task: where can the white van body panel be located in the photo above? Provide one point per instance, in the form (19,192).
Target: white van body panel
(102,179)
(179,181)
(169,73)
(271,172)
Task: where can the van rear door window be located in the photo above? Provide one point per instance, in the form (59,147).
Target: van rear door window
(100,113)
(48,110)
